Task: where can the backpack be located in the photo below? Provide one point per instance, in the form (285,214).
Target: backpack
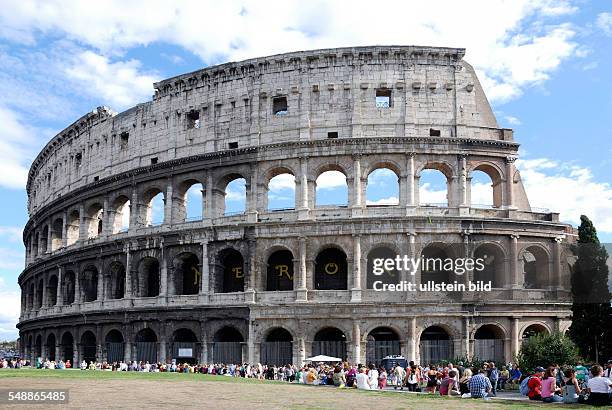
(523,388)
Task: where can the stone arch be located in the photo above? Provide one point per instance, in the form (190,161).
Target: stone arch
(57,234)
(36,245)
(222,197)
(95,220)
(433,267)
(88,347)
(51,343)
(381,252)
(489,342)
(279,270)
(67,346)
(436,344)
(68,287)
(382,341)
(44,239)
(52,285)
(227,345)
(384,171)
(495,263)
(185,345)
(274,180)
(187,273)
(89,283)
(114,344)
(331,269)
(181,202)
(330,341)
(446,171)
(534,327)
(154,197)
(116,280)
(277,347)
(146,345)
(535,262)
(496,176)
(148,277)
(38,346)
(120,214)
(40,285)
(330,170)
(229,271)
(72,227)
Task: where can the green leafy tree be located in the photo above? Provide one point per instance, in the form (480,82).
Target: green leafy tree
(591,327)
(546,349)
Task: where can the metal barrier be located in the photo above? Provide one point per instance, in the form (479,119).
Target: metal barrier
(434,351)
(377,350)
(334,348)
(276,353)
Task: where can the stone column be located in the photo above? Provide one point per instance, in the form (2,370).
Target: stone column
(464,201)
(128,272)
(135,210)
(59,295)
(65,229)
(251,342)
(100,286)
(49,237)
(301,351)
(356,343)
(163,271)
(304,208)
(210,200)
(75,350)
(162,350)
(412,334)
(466,338)
(510,182)
(107,229)
(43,302)
(357,199)
(302,292)
(514,265)
(356,290)
(515,337)
(410,184)
(251,189)
(205,278)
(555,279)
(83,226)
(168,200)
(469,273)
(204,344)
(127,351)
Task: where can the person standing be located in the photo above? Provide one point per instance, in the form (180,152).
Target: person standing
(400,374)
(373,377)
(493,377)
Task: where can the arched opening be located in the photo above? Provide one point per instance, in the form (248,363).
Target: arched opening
(36,245)
(493,262)
(57,234)
(39,294)
(88,347)
(187,274)
(194,202)
(30,348)
(230,272)
(281,191)
(89,284)
(146,346)
(114,346)
(155,202)
(280,271)
(489,343)
(433,188)
(435,345)
(116,285)
(382,188)
(69,287)
(184,346)
(120,215)
(486,187)
(72,228)
(148,277)
(376,271)
(235,196)
(95,220)
(52,291)
(51,346)
(330,341)
(534,330)
(535,267)
(30,298)
(43,239)
(331,189)
(331,270)
(382,342)
(227,346)
(277,348)
(435,266)
(38,347)
(67,346)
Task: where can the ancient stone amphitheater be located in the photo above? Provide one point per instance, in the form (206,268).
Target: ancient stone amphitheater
(277,286)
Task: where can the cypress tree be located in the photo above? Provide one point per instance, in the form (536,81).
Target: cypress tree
(591,327)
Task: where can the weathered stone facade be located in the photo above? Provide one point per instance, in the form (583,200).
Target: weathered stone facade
(91,289)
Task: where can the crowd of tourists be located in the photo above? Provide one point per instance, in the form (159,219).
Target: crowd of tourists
(577,384)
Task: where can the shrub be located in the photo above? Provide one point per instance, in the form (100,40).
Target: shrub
(545,350)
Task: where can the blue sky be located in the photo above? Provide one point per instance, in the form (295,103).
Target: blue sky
(544,65)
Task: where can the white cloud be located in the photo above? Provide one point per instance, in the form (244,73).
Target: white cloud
(429,195)
(282,182)
(236,190)
(392,200)
(16,144)
(9,314)
(12,233)
(119,83)
(590,66)
(508,61)
(604,22)
(331,180)
(568,189)
(512,120)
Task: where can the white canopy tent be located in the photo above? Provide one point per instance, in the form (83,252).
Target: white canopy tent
(323,358)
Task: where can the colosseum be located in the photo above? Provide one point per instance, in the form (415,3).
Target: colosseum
(279,285)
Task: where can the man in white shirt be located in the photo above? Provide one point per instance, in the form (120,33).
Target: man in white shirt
(598,387)
(362,380)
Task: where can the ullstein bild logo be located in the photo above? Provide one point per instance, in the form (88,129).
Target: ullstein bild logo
(432,266)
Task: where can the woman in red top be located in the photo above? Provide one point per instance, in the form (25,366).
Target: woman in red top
(535,385)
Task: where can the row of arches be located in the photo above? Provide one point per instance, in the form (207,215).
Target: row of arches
(331,272)
(193,199)
(276,346)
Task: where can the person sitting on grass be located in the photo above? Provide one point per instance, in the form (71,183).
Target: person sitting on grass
(571,388)
(535,384)
(480,385)
(549,386)
(449,387)
(362,381)
(598,388)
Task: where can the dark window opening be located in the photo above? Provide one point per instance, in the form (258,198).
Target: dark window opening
(125,136)
(193,118)
(383,98)
(153,160)
(96,179)
(78,159)
(434,133)
(279,106)
(233,145)
(332,134)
